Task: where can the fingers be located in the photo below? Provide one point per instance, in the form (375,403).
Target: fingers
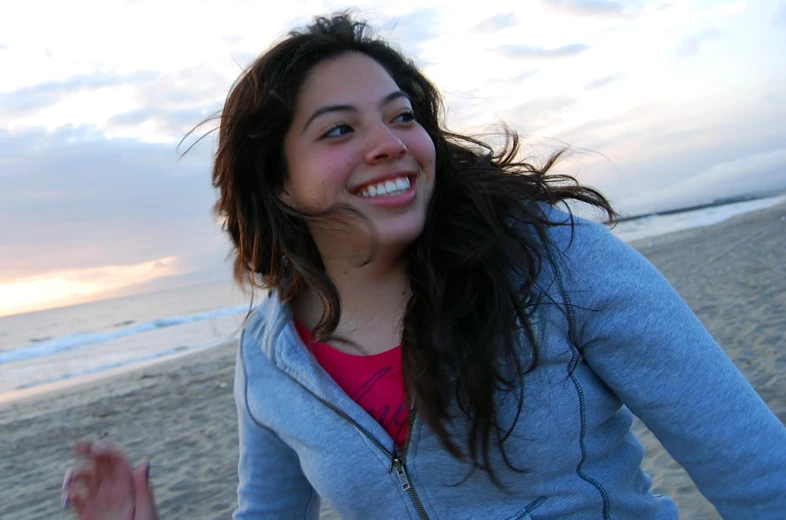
(79,478)
(144,501)
(65,494)
(78,485)
(103,467)
(91,448)
(78,503)
(110,462)
(82,447)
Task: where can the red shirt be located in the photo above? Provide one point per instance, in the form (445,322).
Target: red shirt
(374,382)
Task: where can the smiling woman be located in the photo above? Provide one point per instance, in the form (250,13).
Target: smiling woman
(370,156)
(441,337)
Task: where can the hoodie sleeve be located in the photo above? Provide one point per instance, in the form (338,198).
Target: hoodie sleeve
(641,338)
(271,483)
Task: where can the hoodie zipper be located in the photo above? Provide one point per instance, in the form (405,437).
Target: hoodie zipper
(398,464)
(400,467)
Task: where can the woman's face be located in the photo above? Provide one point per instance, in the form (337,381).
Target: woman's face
(354,140)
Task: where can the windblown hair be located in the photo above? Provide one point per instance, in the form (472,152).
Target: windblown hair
(470,270)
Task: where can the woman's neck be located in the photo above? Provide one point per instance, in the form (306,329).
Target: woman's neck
(376,285)
(373,300)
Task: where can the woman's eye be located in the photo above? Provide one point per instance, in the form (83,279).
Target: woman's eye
(338,131)
(405,117)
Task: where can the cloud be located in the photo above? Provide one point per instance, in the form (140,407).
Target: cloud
(752,173)
(146,105)
(497,23)
(190,87)
(33,98)
(98,202)
(170,122)
(780,17)
(755,174)
(233,39)
(586,7)
(413,29)
(529,52)
(539,113)
(79,285)
(693,44)
(601,82)
(651,146)
(515,81)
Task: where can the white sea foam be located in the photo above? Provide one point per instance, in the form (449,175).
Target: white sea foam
(79,340)
(656,225)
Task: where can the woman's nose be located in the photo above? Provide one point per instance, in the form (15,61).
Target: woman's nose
(384,145)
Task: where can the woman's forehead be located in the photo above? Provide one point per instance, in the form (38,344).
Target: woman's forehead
(351,78)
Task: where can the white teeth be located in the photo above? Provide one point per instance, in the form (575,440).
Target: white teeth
(391,187)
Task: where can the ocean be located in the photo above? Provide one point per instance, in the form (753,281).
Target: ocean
(45,350)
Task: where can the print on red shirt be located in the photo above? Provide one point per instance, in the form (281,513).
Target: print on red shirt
(375,382)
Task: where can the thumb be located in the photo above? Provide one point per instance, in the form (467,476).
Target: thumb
(144,502)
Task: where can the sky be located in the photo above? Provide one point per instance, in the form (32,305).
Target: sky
(663,104)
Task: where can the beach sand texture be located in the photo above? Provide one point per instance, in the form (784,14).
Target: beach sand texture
(181,413)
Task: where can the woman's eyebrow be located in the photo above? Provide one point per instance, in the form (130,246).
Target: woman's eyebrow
(351,108)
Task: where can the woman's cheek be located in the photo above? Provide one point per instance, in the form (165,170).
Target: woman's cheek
(337,168)
(423,148)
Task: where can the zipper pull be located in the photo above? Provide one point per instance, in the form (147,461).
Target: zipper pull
(401,473)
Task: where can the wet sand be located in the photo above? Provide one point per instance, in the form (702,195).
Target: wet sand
(181,413)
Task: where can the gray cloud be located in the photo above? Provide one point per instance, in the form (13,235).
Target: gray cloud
(186,88)
(98,202)
(497,23)
(601,82)
(174,102)
(33,98)
(529,52)
(587,7)
(645,159)
(755,174)
(538,113)
(693,44)
(413,29)
(172,122)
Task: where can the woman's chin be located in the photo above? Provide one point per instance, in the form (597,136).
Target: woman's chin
(400,237)
(386,236)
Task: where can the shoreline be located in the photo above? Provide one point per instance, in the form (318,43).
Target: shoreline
(180,411)
(81,384)
(59,384)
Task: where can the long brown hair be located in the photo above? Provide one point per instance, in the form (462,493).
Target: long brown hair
(470,270)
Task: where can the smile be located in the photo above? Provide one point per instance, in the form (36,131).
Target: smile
(388,188)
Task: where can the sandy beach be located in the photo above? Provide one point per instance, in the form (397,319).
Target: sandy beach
(181,413)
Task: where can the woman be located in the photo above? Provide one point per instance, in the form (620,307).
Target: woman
(440,340)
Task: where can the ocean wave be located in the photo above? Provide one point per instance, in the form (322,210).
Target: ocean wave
(77,340)
(651,226)
(124,323)
(103,368)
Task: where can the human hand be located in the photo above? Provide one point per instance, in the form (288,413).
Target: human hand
(104,486)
